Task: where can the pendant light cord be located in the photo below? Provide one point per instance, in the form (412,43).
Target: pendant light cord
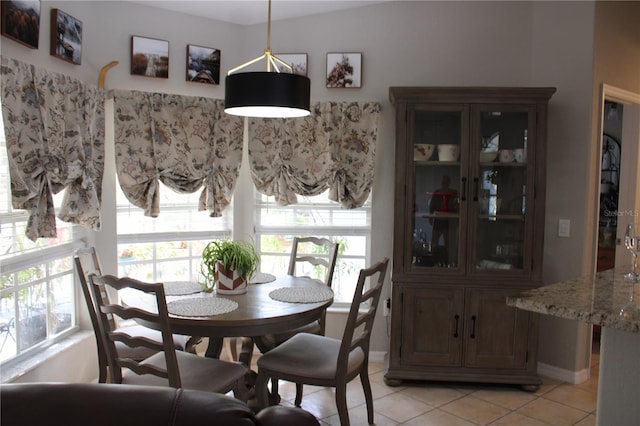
(270,58)
(269,28)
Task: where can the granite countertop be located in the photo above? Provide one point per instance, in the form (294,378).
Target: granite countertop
(606,299)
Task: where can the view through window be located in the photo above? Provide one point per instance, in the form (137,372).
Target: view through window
(275,227)
(37,282)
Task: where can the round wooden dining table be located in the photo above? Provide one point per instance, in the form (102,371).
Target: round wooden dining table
(257,313)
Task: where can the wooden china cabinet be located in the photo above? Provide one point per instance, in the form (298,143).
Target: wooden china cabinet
(468,231)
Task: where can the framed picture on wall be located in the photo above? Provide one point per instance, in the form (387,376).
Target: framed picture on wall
(149,57)
(21,21)
(203,64)
(66,37)
(344,70)
(297,60)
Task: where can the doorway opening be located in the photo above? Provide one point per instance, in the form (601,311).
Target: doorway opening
(609,191)
(617,190)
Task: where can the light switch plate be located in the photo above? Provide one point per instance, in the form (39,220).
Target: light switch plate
(564,228)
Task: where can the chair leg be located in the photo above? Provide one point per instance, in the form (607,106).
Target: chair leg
(366,387)
(262,393)
(299,387)
(232,347)
(192,343)
(246,351)
(241,391)
(341,403)
(274,390)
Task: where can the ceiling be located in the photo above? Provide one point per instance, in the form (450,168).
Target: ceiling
(249,12)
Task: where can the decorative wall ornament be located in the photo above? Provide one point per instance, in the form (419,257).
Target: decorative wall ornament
(149,57)
(298,62)
(203,64)
(66,37)
(20,21)
(344,70)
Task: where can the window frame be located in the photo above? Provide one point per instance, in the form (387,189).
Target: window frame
(328,231)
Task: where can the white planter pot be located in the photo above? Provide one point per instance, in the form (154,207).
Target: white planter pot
(229,281)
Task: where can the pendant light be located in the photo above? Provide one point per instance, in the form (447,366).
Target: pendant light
(269,94)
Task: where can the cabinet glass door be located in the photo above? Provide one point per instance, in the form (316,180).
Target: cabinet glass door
(503,154)
(435,181)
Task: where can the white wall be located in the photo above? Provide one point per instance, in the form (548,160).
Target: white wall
(403,43)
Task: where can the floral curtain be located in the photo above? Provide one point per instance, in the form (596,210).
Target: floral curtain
(333,148)
(54,126)
(184,142)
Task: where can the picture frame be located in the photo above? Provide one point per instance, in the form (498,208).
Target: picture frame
(66,37)
(203,64)
(21,21)
(297,60)
(149,57)
(344,70)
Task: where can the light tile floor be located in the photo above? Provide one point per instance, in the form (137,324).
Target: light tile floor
(443,404)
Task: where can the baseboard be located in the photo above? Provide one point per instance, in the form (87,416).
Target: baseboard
(377,356)
(573,377)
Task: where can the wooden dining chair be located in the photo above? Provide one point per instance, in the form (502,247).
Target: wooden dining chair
(307,254)
(167,367)
(322,361)
(87,263)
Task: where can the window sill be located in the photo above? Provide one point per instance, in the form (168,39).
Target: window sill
(12,371)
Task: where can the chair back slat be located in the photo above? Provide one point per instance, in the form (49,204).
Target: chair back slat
(130,313)
(136,342)
(359,326)
(323,252)
(141,369)
(158,321)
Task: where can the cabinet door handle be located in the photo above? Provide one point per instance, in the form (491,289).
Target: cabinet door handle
(463,196)
(457,318)
(475,189)
(473,326)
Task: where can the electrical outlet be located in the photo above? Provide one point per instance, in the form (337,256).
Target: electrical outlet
(386,311)
(564,228)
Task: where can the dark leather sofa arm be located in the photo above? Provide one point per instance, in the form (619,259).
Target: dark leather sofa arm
(71,404)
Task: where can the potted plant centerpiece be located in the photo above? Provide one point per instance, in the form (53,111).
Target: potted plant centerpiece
(227,265)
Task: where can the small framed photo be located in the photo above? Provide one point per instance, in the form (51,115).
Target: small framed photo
(66,37)
(203,64)
(297,60)
(344,70)
(21,21)
(149,57)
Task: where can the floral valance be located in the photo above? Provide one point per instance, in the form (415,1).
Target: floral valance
(333,148)
(184,142)
(54,126)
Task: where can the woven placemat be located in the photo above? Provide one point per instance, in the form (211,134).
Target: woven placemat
(181,288)
(306,294)
(201,306)
(261,278)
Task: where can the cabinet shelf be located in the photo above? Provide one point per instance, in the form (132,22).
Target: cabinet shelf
(435,163)
(499,216)
(498,164)
(438,215)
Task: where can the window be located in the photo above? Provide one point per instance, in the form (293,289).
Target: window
(37,280)
(275,227)
(169,247)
